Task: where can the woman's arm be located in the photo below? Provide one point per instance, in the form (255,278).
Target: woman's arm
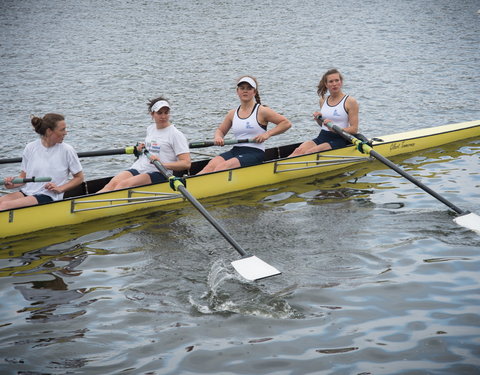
(183,162)
(352,108)
(317,113)
(267,115)
(223,129)
(75,181)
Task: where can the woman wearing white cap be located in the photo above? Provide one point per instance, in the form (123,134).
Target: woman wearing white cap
(164,142)
(248,121)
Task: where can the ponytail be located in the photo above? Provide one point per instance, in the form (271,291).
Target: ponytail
(49,121)
(257,96)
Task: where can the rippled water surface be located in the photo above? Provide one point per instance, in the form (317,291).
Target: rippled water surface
(377,278)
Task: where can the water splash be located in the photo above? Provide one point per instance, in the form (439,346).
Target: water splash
(229,293)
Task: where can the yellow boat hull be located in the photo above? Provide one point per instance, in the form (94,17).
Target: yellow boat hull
(97,206)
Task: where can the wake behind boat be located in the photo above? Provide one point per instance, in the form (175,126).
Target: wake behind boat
(82,204)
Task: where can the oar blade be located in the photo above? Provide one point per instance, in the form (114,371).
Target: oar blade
(253,268)
(470,221)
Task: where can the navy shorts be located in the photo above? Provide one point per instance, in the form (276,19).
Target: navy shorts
(41,198)
(246,155)
(333,139)
(155,177)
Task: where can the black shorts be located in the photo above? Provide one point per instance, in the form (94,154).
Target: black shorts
(155,177)
(247,156)
(333,139)
(41,198)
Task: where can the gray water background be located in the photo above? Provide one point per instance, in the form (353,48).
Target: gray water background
(377,279)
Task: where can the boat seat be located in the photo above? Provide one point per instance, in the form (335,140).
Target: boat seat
(285,151)
(197,166)
(95,185)
(76,191)
(271,154)
(181,173)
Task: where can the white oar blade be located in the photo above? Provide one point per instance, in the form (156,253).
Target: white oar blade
(253,268)
(470,221)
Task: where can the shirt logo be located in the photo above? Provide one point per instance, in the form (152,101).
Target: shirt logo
(248,125)
(335,113)
(153,147)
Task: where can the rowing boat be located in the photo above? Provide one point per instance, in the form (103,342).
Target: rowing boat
(82,204)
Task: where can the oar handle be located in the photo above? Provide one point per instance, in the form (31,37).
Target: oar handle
(31,179)
(337,129)
(200,144)
(115,151)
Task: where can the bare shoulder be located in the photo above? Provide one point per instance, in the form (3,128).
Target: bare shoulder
(351,100)
(351,103)
(230,114)
(267,112)
(264,108)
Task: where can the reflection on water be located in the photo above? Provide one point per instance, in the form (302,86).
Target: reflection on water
(46,297)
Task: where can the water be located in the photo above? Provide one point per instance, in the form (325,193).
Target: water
(377,279)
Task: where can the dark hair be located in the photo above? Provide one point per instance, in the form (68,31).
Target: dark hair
(49,121)
(151,102)
(322,85)
(257,94)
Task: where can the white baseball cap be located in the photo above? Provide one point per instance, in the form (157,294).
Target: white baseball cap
(159,105)
(248,80)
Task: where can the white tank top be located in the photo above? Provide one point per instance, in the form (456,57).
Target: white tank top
(246,128)
(338,114)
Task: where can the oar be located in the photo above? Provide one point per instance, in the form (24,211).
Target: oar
(250,267)
(466,219)
(131,150)
(211,143)
(31,179)
(25,180)
(116,151)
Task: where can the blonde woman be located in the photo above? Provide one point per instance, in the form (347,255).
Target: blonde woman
(339,108)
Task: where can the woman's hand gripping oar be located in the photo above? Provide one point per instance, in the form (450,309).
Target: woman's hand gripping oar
(466,219)
(20,181)
(250,267)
